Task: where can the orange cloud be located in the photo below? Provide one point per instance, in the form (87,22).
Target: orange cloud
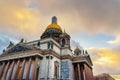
(18,20)
(105,56)
(108,57)
(105,61)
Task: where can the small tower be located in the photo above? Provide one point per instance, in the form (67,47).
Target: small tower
(65,40)
(77,51)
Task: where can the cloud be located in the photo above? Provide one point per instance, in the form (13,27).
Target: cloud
(75,44)
(31,16)
(5,40)
(87,15)
(116,41)
(17,19)
(105,61)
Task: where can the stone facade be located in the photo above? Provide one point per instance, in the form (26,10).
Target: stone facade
(48,58)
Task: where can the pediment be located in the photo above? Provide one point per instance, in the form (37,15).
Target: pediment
(18,48)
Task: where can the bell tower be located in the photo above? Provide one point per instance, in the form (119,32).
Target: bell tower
(65,40)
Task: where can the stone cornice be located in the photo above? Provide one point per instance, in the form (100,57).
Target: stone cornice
(41,54)
(20,55)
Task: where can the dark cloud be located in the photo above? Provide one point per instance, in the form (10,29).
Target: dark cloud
(5,40)
(95,16)
(76,16)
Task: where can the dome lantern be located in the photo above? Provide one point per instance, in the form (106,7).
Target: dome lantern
(54,20)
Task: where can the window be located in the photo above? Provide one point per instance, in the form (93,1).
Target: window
(56,69)
(63,42)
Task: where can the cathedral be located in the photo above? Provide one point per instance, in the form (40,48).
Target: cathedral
(48,58)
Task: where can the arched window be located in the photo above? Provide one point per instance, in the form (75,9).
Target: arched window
(63,42)
(56,69)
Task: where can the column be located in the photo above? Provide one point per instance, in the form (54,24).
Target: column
(23,65)
(1,71)
(17,66)
(28,71)
(84,72)
(73,71)
(81,70)
(35,69)
(78,65)
(76,70)
(87,72)
(13,63)
(6,69)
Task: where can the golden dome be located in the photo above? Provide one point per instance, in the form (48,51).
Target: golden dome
(77,48)
(54,26)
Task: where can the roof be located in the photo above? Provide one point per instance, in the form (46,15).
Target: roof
(20,47)
(54,26)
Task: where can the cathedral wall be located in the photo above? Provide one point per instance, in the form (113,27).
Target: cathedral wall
(44,46)
(43,68)
(56,49)
(66,52)
(51,74)
(48,64)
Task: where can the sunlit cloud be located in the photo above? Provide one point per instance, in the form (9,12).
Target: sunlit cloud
(108,57)
(116,41)
(19,20)
(105,56)
(105,61)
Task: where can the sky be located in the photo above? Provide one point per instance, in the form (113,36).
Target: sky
(92,24)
